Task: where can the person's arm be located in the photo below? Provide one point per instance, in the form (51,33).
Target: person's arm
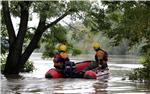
(106,57)
(99,59)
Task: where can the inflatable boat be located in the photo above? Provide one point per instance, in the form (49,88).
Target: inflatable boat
(73,70)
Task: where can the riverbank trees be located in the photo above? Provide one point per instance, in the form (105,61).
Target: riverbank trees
(131,20)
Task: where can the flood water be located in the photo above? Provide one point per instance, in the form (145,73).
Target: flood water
(36,83)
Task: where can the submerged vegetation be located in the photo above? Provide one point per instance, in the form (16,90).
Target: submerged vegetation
(142,74)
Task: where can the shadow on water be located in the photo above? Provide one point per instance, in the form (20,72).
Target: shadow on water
(13,76)
(34,82)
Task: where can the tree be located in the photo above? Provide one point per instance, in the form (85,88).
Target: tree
(122,20)
(46,11)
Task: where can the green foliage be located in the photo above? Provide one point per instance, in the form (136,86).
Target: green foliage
(50,39)
(146,64)
(28,67)
(51,9)
(49,51)
(4,40)
(96,19)
(58,34)
(80,33)
(79,5)
(3,62)
(4,45)
(48,8)
(15,9)
(132,22)
(142,73)
(76,52)
(136,75)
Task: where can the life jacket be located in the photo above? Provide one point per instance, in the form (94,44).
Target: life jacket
(100,54)
(60,59)
(101,57)
(64,55)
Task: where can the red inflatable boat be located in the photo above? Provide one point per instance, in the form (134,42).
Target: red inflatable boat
(73,71)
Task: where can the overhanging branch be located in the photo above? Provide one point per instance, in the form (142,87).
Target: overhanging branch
(58,19)
(71,26)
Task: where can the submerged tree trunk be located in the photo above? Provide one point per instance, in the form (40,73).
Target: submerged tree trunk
(15,47)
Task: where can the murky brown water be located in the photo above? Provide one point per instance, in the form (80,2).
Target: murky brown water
(35,83)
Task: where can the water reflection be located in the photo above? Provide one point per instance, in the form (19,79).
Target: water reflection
(12,84)
(100,87)
(76,86)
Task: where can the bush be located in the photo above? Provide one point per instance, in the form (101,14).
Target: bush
(76,52)
(142,74)
(3,61)
(28,67)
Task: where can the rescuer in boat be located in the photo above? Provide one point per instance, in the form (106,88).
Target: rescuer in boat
(60,58)
(101,58)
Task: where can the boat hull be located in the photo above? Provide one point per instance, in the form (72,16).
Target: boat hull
(90,74)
